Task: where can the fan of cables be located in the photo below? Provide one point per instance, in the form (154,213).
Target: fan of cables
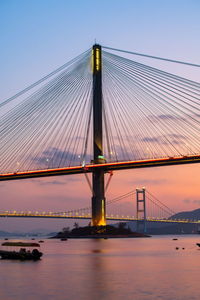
(147,113)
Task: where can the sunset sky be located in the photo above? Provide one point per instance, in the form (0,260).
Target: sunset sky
(39,36)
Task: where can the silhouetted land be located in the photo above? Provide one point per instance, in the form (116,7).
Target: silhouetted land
(107,231)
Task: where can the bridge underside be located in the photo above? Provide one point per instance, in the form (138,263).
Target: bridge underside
(106,167)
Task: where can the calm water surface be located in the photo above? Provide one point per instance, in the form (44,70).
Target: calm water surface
(136,269)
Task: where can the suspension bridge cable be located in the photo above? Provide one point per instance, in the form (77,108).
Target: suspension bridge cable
(190,128)
(124,103)
(147,113)
(142,112)
(154,57)
(157,200)
(55,98)
(114,200)
(42,79)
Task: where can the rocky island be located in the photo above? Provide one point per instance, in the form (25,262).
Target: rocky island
(108,231)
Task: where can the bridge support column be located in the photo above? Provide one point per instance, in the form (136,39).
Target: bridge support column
(98,199)
(141,210)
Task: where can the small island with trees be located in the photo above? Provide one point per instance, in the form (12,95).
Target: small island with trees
(107,231)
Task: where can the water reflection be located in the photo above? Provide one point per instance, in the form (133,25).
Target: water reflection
(100,270)
(110,269)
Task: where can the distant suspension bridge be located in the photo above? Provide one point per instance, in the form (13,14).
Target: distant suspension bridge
(152,210)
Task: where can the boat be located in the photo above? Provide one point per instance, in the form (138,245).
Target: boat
(13,251)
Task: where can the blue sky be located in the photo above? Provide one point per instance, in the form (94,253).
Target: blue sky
(37,36)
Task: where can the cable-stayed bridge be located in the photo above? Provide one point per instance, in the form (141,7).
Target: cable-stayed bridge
(98,113)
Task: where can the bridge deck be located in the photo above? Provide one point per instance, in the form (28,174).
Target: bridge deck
(88,217)
(169,161)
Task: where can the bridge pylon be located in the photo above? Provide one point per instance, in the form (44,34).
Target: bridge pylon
(141,209)
(98,197)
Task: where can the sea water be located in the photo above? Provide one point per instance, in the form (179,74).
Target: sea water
(86,269)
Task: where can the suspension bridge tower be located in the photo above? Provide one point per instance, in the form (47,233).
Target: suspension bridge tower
(141,210)
(98,197)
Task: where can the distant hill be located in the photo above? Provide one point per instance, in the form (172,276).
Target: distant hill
(36,233)
(5,233)
(167,228)
(190,215)
(173,228)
